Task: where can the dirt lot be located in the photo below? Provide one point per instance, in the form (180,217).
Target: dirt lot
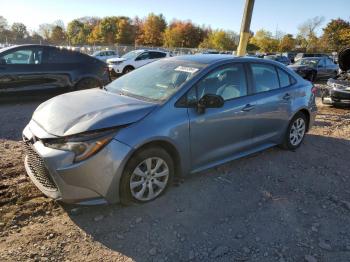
(273,206)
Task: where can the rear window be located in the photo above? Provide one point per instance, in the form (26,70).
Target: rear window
(284,78)
(265,77)
(62,56)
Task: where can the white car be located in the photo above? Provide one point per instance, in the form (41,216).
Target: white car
(106,54)
(133,60)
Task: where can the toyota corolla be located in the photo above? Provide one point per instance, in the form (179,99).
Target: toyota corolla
(176,116)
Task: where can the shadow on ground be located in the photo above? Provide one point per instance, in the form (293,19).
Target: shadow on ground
(272,206)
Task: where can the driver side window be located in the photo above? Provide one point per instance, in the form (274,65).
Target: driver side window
(143,56)
(229,82)
(23,56)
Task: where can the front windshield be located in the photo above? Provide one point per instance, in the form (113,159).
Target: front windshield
(308,62)
(132,54)
(156,81)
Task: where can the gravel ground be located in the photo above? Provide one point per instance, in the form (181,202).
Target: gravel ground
(272,206)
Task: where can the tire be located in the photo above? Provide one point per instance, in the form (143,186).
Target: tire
(137,173)
(127,69)
(293,139)
(86,83)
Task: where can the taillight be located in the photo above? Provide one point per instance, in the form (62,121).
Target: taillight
(314,89)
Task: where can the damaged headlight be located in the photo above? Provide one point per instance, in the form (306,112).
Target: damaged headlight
(82,145)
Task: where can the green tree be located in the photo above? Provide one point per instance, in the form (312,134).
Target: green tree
(58,35)
(125,31)
(151,30)
(220,40)
(76,32)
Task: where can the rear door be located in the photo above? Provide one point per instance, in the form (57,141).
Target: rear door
(21,70)
(322,71)
(273,92)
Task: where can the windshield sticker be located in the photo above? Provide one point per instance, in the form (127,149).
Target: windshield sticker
(191,70)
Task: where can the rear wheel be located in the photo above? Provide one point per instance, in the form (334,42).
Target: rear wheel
(147,175)
(87,83)
(295,132)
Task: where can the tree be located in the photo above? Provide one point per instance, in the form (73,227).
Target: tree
(334,34)
(151,30)
(125,31)
(183,34)
(287,43)
(19,31)
(58,35)
(220,40)
(307,35)
(3,23)
(76,33)
(45,30)
(264,40)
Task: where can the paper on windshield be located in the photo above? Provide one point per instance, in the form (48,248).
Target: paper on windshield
(186,69)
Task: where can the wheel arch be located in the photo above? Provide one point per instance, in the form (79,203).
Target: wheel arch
(168,147)
(307,114)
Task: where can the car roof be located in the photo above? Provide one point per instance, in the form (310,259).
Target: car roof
(214,58)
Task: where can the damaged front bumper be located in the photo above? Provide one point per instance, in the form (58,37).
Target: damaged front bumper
(337,91)
(92,181)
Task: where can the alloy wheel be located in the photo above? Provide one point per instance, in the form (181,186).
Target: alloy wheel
(297,131)
(149,179)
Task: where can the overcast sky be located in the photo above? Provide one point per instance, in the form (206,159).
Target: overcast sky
(226,14)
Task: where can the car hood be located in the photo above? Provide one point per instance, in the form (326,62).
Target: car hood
(88,110)
(344,59)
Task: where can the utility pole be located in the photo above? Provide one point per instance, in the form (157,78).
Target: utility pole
(245,27)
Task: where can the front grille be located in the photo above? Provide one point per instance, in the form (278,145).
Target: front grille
(37,167)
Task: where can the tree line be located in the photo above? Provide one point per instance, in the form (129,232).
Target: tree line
(153,30)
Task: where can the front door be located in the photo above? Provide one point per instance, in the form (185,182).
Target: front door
(219,133)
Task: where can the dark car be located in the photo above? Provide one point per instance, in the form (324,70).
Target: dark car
(30,69)
(304,55)
(313,68)
(279,58)
(338,88)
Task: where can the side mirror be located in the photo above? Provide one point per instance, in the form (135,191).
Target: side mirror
(209,101)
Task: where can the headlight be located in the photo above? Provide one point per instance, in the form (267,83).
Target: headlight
(82,145)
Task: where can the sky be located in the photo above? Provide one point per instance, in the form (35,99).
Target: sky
(282,15)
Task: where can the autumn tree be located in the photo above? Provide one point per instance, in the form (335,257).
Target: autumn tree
(125,31)
(287,43)
(220,40)
(335,34)
(264,40)
(151,30)
(183,34)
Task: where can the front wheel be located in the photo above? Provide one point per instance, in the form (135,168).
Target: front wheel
(295,132)
(147,175)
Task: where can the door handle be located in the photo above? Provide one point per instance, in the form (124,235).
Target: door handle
(286,96)
(248,107)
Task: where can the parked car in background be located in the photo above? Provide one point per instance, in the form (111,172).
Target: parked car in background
(290,55)
(105,54)
(304,55)
(338,88)
(279,58)
(27,69)
(133,60)
(167,119)
(313,68)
